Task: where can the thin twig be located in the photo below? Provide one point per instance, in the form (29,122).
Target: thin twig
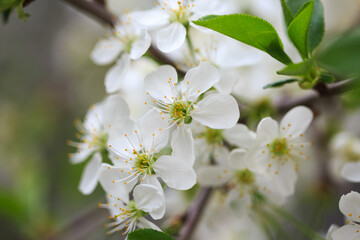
(194,213)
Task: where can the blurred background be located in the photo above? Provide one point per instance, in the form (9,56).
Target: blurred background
(47,81)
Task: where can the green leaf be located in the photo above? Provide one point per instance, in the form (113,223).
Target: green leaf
(297,69)
(6,14)
(288,15)
(148,234)
(298,30)
(21,14)
(6,4)
(248,29)
(280,83)
(342,55)
(317,25)
(295,5)
(326,78)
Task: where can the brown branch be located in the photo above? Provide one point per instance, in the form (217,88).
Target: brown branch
(194,213)
(331,90)
(95,9)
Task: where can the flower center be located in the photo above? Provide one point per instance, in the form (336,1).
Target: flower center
(278,147)
(100,141)
(144,162)
(180,111)
(181,14)
(213,136)
(134,211)
(245,177)
(350,154)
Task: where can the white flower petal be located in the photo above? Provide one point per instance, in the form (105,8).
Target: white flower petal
(116,75)
(124,144)
(114,111)
(176,173)
(160,212)
(182,143)
(236,159)
(198,80)
(296,121)
(171,37)
(350,206)
(239,203)
(284,177)
(240,135)
(351,171)
(228,78)
(83,152)
(151,18)
(257,159)
(331,229)
(147,197)
(217,111)
(214,175)
(267,130)
(106,51)
(157,83)
(89,178)
(108,178)
(141,45)
(220,154)
(153,131)
(347,232)
(144,223)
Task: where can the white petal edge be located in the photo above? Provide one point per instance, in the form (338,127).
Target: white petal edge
(89,178)
(171,37)
(218,111)
(116,75)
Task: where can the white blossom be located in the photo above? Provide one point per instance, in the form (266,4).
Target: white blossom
(102,120)
(345,156)
(180,104)
(170,19)
(129,41)
(129,215)
(135,157)
(278,150)
(349,206)
(242,183)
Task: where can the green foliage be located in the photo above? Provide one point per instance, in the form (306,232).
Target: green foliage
(251,30)
(298,30)
(317,25)
(148,234)
(326,78)
(342,55)
(280,83)
(288,15)
(8,6)
(297,69)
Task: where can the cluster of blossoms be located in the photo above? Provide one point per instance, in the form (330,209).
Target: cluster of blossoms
(190,132)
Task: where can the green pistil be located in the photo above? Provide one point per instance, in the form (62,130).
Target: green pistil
(133,209)
(180,112)
(245,177)
(213,136)
(144,162)
(100,141)
(351,156)
(278,147)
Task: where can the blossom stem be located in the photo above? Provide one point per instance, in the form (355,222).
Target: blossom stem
(191,47)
